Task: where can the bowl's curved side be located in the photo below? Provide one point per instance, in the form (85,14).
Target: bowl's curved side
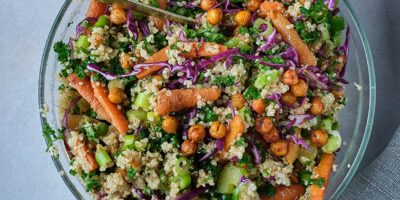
(371,102)
(41,92)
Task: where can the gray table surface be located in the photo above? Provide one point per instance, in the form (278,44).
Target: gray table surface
(27,172)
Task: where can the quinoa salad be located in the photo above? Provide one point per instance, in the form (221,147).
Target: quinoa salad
(242,105)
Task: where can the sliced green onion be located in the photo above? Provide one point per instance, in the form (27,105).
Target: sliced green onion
(152,116)
(102,21)
(326,124)
(129,142)
(102,158)
(266,78)
(136,114)
(82,42)
(259,22)
(334,142)
(184,181)
(182,166)
(142,101)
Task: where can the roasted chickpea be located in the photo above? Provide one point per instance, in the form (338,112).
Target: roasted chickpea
(214,16)
(319,137)
(341,60)
(289,98)
(125,60)
(253,5)
(259,106)
(217,130)
(243,17)
(196,133)
(238,101)
(170,124)
(188,148)
(338,93)
(279,148)
(317,107)
(264,125)
(118,15)
(207,4)
(290,77)
(116,95)
(271,136)
(300,89)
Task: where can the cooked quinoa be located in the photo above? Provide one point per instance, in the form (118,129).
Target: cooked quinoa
(227,108)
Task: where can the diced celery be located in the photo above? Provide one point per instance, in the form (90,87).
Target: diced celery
(182,166)
(116,83)
(152,116)
(245,113)
(129,142)
(325,33)
(136,114)
(82,42)
(259,22)
(140,146)
(237,42)
(142,101)
(229,179)
(326,124)
(306,155)
(102,158)
(266,78)
(184,181)
(334,142)
(102,21)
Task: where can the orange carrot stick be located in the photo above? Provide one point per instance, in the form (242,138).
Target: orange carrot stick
(118,119)
(175,100)
(161,56)
(236,129)
(323,170)
(274,10)
(82,151)
(85,89)
(96,9)
(286,193)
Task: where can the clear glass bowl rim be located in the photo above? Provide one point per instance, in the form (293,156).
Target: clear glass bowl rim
(371,106)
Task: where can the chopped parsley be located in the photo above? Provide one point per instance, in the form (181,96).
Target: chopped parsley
(131,173)
(91,181)
(90,132)
(224,81)
(252,93)
(209,115)
(50,135)
(62,51)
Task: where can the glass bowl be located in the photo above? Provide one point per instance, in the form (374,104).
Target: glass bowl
(356,118)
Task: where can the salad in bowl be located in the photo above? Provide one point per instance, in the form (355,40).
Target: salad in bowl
(242,105)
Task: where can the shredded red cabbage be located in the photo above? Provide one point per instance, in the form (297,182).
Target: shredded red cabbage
(144,28)
(182,36)
(80,29)
(271,39)
(204,63)
(256,153)
(298,141)
(227,10)
(191,194)
(290,54)
(330,4)
(132,25)
(140,193)
(234,159)
(64,123)
(244,180)
(315,77)
(300,119)
(190,115)
(232,109)
(219,146)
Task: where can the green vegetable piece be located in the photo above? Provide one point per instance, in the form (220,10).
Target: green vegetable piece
(267,78)
(83,42)
(102,21)
(333,144)
(306,156)
(136,114)
(246,114)
(267,31)
(182,166)
(233,42)
(102,158)
(252,93)
(101,129)
(224,81)
(140,146)
(142,101)
(325,33)
(326,124)
(184,181)
(152,116)
(229,179)
(337,23)
(147,191)
(116,83)
(237,42)
(305,177)
(129,142)
(131,173)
